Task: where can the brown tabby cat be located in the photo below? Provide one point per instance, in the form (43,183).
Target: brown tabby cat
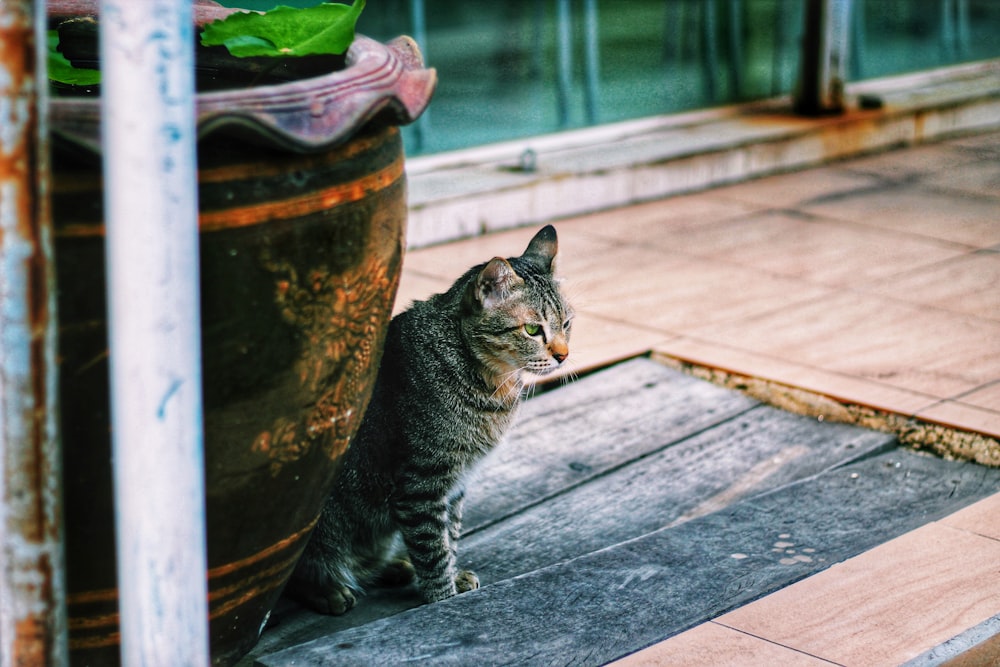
(449,385)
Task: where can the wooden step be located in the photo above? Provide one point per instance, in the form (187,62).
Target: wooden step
(630,506)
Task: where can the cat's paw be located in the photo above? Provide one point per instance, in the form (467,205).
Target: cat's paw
(466,580)
(398,572)
(331,599)
(335,601)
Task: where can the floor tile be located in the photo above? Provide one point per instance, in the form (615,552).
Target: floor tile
(968,221)
(661,222)
(887,605)
(987,397)
(788,244)
(980,178)
(791,190)
(918,349)
(712,645)
(674,293)
(963,416)
(414,286)
(840,387)
(982,518)
(966,284)
(984,145)
(915,162)
(453,259)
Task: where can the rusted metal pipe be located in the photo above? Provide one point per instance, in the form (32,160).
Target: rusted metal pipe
(823,59)
(32,587)
(151,218)
(592,61)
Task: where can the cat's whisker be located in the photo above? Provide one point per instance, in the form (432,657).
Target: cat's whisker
(531,390)
(505,384)
(572,375)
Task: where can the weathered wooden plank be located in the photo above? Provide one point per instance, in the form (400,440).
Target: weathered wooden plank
(293,625)
(609,603)
(577,432)
(755,452)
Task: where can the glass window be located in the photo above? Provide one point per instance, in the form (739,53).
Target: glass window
(897,36)
(526,67)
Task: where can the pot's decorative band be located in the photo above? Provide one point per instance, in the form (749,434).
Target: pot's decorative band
(94,614)
(250,192)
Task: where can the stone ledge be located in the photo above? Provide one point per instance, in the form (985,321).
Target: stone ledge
(471,192)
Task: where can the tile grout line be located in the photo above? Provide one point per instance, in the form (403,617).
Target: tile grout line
(943,522)
(773,642)
(964,404)
(986,385)
(990,627)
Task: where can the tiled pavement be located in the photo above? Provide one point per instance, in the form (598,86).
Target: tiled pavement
(875,281)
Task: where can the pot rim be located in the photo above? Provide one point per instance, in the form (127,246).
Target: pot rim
(307,115)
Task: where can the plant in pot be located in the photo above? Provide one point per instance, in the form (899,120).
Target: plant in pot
(302,220)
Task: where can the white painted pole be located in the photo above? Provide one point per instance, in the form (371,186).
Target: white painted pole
(153,310)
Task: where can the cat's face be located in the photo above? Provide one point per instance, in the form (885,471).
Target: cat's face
(528,331)
(519,319)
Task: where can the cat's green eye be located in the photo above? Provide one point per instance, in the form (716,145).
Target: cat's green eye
(532,329)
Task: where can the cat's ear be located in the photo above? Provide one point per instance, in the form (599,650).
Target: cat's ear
(495,282)
(543,248)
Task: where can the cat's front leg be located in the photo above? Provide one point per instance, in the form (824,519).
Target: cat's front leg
(456,501)
(465,580)
(423,522)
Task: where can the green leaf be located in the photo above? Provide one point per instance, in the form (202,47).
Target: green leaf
(62,70)
(326,29)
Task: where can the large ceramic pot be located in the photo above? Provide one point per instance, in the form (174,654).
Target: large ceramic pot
(302,219)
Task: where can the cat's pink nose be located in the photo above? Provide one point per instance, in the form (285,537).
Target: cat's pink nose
(559,348)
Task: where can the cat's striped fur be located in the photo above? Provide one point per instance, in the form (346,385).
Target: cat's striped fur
(447,390)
